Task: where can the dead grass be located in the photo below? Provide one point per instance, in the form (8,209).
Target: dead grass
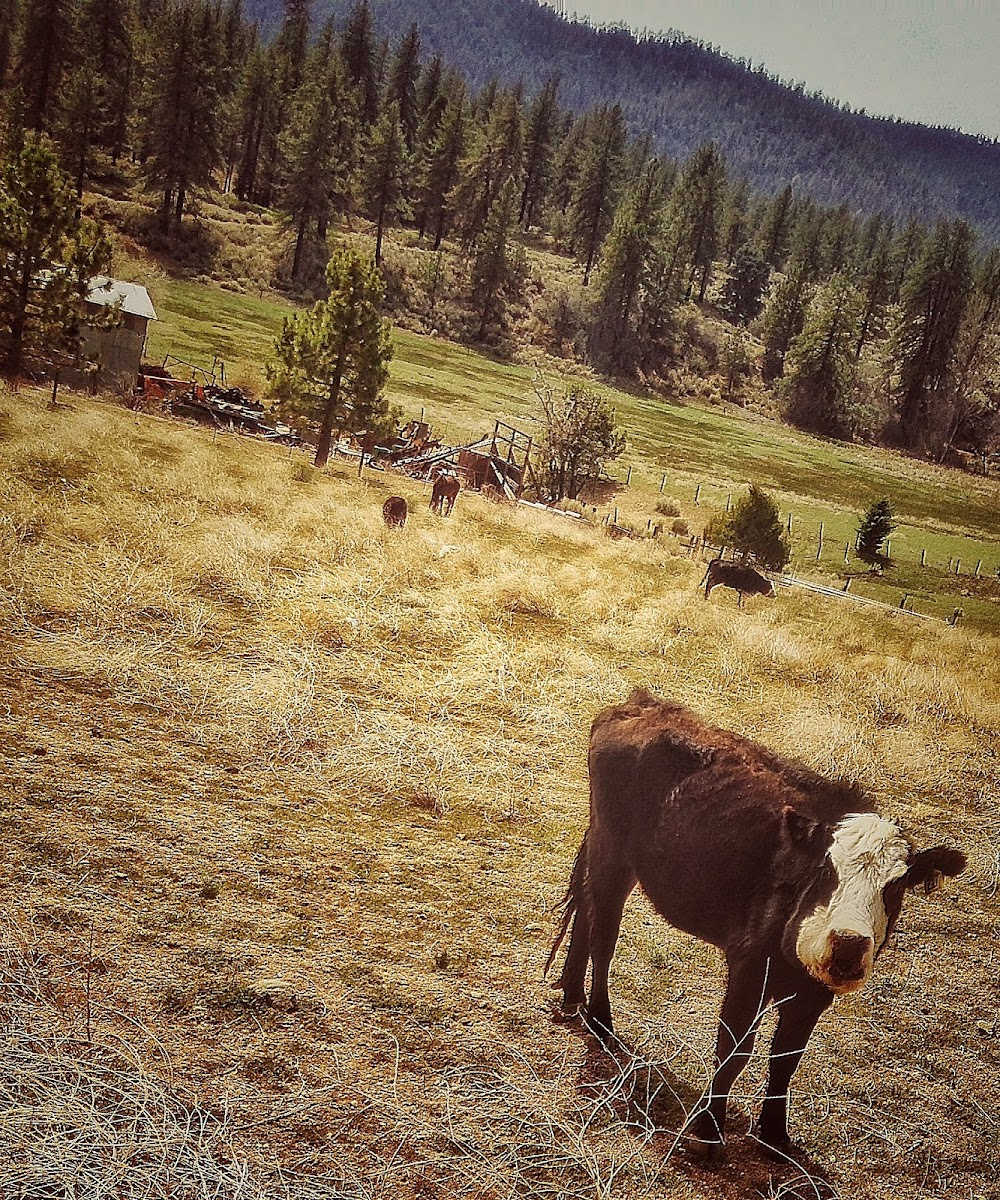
(312,786)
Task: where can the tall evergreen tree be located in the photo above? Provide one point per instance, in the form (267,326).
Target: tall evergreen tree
(47,257)
(776,230)
(819,371)
(494,159)
(541,129)
(743,291)
(45,52)
(934,300)
(384,170)
(404,75)
(360,54)
(496,265)
(696,211)
(331,362)
(622,271)
(439,172)
(598,185)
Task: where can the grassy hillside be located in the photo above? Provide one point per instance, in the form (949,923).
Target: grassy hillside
(289,798)
(684,448)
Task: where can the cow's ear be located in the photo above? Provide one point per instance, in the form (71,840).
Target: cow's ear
(805,831)
(930,866)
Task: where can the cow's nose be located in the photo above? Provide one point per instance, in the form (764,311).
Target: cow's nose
(848,952)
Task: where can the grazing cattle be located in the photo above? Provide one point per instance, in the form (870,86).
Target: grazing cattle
(792,875)
(742,579)
(395,512)
(443,493)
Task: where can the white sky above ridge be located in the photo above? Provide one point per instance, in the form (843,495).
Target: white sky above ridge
(931,61)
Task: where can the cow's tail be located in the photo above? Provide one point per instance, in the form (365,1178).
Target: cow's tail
(570,902)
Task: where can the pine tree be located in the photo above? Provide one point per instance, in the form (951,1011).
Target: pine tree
(404,75)
(622,270)
(496,266)
(494,159)
(819,371)
(873,530)
(47,257)
(331,362)
(783,319)
(541,128)
(46,49)
(439,173)
(311,159)
(385,168)
(934,300)
(743,291)
(774,233)
(10,14)
(360,55)
(598,185)
(184,124)
(753,529)
(696,210)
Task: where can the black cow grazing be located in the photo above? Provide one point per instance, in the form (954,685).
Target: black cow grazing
(793,876)
(443,493)
(744,580)
(395,512)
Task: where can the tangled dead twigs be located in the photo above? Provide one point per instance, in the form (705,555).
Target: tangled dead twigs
(83,1119)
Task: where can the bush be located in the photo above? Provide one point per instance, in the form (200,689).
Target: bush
(680,527)
(668,507)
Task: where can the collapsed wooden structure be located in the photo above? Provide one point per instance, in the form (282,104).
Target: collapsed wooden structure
(500,461)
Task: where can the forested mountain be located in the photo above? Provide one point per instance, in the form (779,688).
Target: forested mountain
(685,93)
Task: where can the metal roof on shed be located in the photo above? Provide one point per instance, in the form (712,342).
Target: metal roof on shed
(133,296)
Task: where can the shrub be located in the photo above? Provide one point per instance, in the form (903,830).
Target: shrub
(668,507)
(680,527)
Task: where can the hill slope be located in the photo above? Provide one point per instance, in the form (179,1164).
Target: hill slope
(685,93)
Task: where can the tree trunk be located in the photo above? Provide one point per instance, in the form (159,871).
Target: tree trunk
(297,257)
(329,414)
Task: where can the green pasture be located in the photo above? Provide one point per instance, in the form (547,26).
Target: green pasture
(683,449)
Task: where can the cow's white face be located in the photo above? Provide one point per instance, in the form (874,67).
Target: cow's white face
(837,942)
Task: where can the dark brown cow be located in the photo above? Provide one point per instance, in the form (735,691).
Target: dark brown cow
(395,512)
(742,579)
(443,493)
(793,876)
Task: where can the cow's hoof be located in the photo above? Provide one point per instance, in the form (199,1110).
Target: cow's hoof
(570,1009)
(601,1028)
(710,1154)
(779,1149)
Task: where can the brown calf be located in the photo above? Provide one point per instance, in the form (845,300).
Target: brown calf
(793,876)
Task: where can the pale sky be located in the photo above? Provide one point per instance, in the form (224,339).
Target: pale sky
(922,60)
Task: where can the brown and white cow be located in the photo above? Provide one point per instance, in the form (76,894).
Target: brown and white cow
(792,875)
(443,494)
(744,580)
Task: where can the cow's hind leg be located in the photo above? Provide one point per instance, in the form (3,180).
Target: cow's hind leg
(798,1017)
(742,1010)
(573,977)
(609,886)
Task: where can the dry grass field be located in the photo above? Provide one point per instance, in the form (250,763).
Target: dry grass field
(289,798)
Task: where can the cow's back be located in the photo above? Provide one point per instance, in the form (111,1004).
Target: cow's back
(706,819)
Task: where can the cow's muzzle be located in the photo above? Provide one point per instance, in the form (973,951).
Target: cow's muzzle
(848,960)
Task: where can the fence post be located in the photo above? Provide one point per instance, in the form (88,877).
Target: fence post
(729,501)
(819,548)
(697,493)
(950,561)
(663,483)
(923,557)
(958,566)
(789,522)
(902,603)
(979,566)
(847,554)
(628,475)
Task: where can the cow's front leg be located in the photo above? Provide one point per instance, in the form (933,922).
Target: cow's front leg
(797,1019)
(742,1011)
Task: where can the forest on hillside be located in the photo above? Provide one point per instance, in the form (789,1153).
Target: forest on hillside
(685,93)
(498,214)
